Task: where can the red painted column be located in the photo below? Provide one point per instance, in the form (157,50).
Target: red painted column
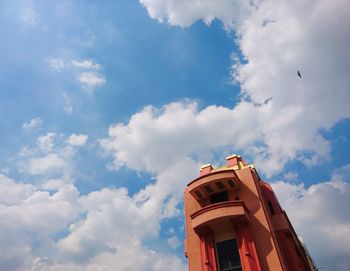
(207,246)
(247,251)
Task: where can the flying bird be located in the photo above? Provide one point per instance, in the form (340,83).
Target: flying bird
(299,74)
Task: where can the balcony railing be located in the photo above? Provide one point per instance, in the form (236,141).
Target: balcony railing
(228,210)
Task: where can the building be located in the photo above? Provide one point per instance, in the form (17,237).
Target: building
(234,222)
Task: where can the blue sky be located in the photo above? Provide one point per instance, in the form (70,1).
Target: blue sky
(109,109)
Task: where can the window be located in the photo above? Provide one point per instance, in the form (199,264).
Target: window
(220,185)
(231,183)
(208,189)
(272,210)
(198,194)
(228,256)
(219,197)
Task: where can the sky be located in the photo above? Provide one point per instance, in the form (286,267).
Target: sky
(108,109)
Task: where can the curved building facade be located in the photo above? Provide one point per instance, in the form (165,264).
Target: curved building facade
(234,222)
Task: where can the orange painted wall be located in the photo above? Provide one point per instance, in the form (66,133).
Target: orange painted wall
(262,244)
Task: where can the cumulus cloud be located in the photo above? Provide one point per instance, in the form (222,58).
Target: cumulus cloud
(50,163)
(32,124)
(12,193)
(315,38)
(318,215)
(185,13)
(106,227)
(180,130)
(58,64)
(46,142)
(112,232)
(174,132)
(86,64)
(288,111)
(28,213)
(167,143)
(120,218)
(85,72)
(172,142)
(91,79)
(125,259)
(87,232)
(77,140)
(277,120)
(52,156)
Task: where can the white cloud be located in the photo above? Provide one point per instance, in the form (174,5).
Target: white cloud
(113,232)
(110,230)
(291,176)
(77,140)
(85,72)
(167,142)
(185,13)
(173,242)
(28,213)
(139,258)
(12,193)
(46,142)
(56,64)
(318,215)
(171,143)
(179,130)
(49,163)
(288,112)
(86,64)
(68,106)
(58,229)
(52,157)
(174,132)
(121,220)
(59,64)
(274,55)
(277,120)
(91,79)
(32,124)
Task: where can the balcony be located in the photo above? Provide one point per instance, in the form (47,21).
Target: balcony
(233,211)
(204,186)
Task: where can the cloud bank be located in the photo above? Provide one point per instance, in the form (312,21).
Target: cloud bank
(48,225)
(276,40)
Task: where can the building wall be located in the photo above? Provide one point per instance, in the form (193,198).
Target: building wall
(260,225)
(264,233)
